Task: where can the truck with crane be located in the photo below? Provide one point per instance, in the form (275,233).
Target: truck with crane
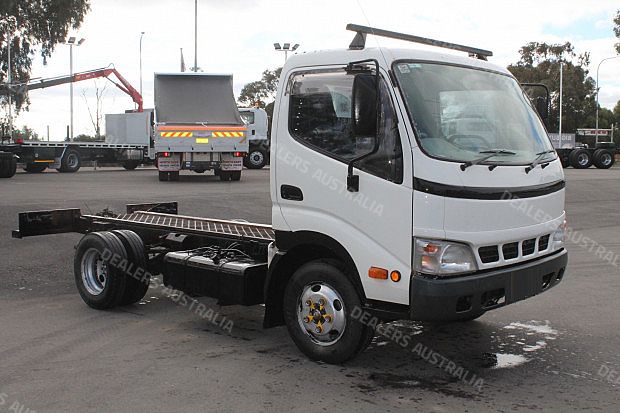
(379,210)
(36,156)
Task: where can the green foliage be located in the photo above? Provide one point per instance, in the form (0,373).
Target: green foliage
(31,26)
(617,30)
(26,133)
(87,138)
(540,63)
(261,92)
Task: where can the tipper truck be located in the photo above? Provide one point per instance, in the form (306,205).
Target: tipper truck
(198,126)
(377,207)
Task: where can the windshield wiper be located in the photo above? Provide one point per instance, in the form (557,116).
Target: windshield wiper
(537,161)
(487,155)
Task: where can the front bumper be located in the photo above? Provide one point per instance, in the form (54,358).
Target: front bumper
(468,296)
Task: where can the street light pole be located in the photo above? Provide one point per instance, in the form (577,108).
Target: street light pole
(597,89)
(141,35)
(71,42)
(9,80)
(561,93)
(195,35)
(286,47)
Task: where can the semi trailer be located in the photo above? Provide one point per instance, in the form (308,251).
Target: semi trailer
(377,207)
(127,135)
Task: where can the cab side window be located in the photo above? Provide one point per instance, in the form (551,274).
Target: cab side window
(320,118)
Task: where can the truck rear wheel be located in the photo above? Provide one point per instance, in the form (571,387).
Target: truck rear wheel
(235,175)
(318,303)
(35,168)
(137,276)
(99,280)
(224,175)
(603,159)
(71,162)
(580,159)
(168,176)
(131,165)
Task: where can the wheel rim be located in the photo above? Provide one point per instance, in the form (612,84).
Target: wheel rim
(606,159)
(583,159)
(94,272)
(321,314)
(72,160)
(257,158)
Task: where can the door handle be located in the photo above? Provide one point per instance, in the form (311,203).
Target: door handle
(292,193)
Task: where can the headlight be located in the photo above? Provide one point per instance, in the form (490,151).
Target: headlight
(559,236)
(443,257)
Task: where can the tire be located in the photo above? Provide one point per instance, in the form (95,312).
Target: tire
(71,162)
(235,175)
(174,176)
(100,283)
(136,273)
(316,280)
(580,159)
(131,165)
(163,176)
(224,176)
(8,165)
(256,159)
(35,168)
(604,159)
(565,161)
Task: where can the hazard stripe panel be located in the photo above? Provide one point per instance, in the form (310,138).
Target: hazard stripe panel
(227,134)
(176,134)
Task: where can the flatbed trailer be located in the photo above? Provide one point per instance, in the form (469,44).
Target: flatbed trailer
(69,156)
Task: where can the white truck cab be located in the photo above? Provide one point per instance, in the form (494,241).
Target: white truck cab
(405,184)
(422,223)
(257,123)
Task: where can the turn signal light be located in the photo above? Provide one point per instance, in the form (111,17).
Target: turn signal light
(378,273)
(395,276)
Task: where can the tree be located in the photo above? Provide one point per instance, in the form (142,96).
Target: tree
(26,133)
(31,25)
(540,63)
(617,30)
(96,115)
(261,92)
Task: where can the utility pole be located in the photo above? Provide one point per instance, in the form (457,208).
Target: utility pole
(9,80)
(598,89)
(195,35)
(141,35)
(561,91)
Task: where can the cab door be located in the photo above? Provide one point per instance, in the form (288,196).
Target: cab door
(315,141)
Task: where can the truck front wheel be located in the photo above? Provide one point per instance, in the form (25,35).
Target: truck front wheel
(319,303)
(8,165)
(580,159)
(256,159)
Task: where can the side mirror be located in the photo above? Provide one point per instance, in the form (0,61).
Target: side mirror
(364,106)
(542,107)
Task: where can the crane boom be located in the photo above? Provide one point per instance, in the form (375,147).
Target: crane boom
(122,83)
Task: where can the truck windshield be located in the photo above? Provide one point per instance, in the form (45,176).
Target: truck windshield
(459,112)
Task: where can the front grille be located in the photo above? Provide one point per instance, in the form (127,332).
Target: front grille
(510,250)
(488,254)
(529,246)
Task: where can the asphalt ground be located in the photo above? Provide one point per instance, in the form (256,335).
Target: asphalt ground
(556,352)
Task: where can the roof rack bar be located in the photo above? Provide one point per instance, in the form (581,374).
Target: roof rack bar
(359,41)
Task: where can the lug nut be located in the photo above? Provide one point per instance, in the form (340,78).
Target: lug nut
(306,319)
(328,318)
(321,301)
(309,303)
(319,329)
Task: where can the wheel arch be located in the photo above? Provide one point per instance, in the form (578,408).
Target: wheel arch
(296,249)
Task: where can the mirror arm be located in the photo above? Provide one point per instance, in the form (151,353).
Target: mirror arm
(353,181)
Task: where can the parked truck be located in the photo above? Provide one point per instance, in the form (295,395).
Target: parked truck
(198,126)
(375,207)
(127,138)
(257,122)
(586,148)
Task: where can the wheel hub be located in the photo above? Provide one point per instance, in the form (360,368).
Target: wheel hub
(94,272)
(256,158)
(321,313)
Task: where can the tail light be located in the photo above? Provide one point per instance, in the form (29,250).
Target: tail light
(165,154)
(239,154)
(19,141)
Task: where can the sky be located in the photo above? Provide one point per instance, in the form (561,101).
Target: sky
(237,36)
